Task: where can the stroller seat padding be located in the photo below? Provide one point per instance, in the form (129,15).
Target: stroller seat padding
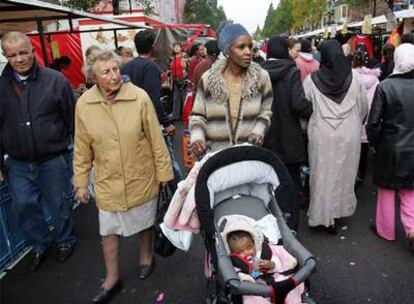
(245,205)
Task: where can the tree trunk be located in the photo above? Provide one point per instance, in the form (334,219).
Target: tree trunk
(374,9)
(115,7)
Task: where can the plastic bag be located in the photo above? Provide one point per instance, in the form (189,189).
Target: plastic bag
(180,238)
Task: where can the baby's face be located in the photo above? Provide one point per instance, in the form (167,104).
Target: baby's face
(243,247)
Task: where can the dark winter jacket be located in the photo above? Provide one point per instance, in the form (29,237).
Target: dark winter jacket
(390,131)
(144,73)
(285,136)
(36,115)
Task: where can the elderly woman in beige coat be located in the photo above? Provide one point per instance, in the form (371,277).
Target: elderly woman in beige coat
(117,131)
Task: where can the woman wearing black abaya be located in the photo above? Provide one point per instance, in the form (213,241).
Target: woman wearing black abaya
(340,106)
(285,136)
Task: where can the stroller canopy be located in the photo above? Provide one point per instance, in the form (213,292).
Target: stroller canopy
(245,170)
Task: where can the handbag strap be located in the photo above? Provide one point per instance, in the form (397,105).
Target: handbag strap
(164,196)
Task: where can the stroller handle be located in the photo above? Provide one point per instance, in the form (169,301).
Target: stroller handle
(238,287)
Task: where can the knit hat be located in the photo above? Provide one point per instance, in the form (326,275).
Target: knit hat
(228,34)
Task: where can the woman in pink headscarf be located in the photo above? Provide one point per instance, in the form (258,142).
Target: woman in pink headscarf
(390,131)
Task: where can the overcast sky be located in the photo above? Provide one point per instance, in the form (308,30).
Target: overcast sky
(249,13)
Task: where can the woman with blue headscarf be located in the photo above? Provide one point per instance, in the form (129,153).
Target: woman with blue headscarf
(340,106)
(234,97)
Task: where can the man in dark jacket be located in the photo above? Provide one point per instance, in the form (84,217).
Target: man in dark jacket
(284,136)
(36,131)
(213,52)
(145,74)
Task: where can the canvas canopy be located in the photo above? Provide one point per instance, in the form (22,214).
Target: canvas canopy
(379,20)
(186,34)
(37,18)
(29,15)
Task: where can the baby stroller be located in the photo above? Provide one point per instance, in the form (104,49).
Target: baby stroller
(245,180)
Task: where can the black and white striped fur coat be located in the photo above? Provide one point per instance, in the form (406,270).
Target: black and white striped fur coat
(210,119)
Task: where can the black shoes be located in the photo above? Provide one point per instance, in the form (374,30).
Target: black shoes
(144,271)
(64,252)
(37,260)
(104,295)
(411,243)
(332,229)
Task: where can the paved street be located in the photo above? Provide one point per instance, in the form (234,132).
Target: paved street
(353,267)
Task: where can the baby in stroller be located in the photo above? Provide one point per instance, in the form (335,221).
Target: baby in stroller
(250,181)
(258,261)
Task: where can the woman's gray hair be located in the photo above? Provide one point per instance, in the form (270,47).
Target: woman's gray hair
(102,55)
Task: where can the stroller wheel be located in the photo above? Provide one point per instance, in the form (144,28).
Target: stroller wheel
(209,301)
(217,300)
(306,299)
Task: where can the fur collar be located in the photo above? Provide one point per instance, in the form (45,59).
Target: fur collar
(218,88)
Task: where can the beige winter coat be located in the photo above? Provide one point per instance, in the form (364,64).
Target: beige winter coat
(211,119)
(124,142)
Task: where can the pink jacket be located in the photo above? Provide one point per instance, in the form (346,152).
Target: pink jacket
(284,261)
(306,64)
(370,79)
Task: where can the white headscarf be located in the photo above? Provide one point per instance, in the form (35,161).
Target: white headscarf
(346,48)
(403,59)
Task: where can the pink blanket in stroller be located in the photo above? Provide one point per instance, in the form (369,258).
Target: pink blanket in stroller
(181,213)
